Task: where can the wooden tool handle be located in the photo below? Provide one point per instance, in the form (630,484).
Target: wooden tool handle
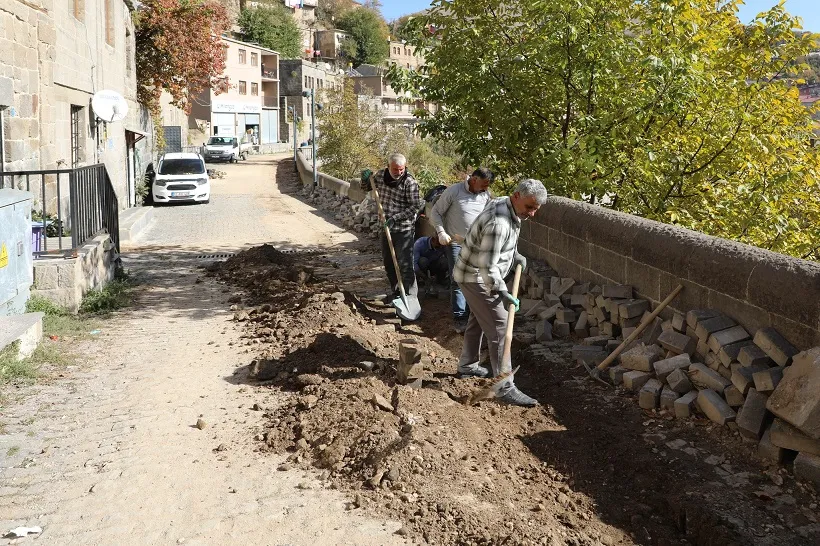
(505,357)
(389,238)
(611,358)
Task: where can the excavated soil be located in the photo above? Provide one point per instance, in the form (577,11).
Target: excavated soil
(586,467)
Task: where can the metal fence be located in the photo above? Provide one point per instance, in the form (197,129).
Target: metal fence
(70,204)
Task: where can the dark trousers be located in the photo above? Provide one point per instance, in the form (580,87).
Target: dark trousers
(403,244)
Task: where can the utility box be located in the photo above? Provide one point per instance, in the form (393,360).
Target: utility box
(16,266)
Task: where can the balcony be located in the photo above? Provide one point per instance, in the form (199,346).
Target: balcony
(270,101)
(269,75)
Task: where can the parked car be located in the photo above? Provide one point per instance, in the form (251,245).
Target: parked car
(226,149)
(181,177)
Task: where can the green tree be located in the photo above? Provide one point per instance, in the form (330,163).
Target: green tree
(272,26)
(369,30)
(350,132)
(668,109)
(329,11)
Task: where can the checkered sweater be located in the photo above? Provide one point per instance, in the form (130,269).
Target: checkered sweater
(401,203)
(488,253)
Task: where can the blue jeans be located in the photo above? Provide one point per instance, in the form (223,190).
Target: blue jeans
(460,309)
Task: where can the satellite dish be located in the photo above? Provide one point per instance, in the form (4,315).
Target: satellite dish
(109,106)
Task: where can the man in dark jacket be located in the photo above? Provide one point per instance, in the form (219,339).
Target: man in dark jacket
(399,194)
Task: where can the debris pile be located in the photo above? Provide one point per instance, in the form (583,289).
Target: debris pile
(587,468)
(359,217)
(702,361)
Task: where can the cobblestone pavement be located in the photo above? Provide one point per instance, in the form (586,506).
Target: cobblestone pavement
(111,454)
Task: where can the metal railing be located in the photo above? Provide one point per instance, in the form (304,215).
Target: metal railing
(78,203)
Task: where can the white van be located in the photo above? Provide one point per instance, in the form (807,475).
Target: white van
(181,177)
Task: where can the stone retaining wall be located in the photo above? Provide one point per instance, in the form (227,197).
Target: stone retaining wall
(66,281)
(755,287)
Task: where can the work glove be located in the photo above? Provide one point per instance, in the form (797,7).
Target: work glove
(444,239)
(519,259)
(389,223)
(508,299)
(366,174)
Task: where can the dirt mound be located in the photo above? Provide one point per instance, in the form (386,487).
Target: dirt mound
(260,255)
(589,468)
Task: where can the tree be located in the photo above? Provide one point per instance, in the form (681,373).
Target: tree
(369,31)
(401,29)
(272,26)
(179,50)
(672,110)
(330,11)
(350,132)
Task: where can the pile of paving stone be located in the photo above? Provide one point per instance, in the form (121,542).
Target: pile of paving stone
(698,363)
(359,217)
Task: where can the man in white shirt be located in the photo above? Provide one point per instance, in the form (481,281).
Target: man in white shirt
(452,215)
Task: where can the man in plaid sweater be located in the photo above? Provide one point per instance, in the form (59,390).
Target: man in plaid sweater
(399,194)
(487,258)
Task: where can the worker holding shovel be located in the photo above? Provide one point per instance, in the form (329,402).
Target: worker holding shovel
(397,196)
(488,255)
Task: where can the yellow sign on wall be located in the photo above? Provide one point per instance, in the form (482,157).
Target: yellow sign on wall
(4,256)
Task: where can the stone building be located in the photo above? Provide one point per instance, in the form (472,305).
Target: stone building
(53,57)
(298,76)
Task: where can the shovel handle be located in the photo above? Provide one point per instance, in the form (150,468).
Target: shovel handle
(389,238)
(505,357)
(639,330)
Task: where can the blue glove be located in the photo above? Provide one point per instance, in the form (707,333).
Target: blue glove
(389,223)
(509,299)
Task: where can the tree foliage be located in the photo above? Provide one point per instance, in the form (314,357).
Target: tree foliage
(668,109)
(401,29)
(330,11)
(272,26)
(353,136)
(179,50)
(369,30)
(350,131)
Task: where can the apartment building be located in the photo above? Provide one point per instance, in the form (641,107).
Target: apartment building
(250,107)
(299,76)
(396,108)
(404,55)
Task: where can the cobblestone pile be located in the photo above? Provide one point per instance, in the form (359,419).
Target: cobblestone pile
(699,364)
(359,217)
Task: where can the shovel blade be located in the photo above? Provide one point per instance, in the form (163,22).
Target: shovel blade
(407,307)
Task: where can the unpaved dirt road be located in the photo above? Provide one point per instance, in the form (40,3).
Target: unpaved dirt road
(110,454)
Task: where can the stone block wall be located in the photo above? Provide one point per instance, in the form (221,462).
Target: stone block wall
(756,287)
(27,49)
(65,282)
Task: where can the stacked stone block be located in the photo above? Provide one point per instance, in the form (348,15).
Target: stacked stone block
(701,363)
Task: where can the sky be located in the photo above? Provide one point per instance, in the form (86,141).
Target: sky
(809,10)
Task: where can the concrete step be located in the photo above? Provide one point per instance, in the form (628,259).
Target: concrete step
(133,221)
(26,328)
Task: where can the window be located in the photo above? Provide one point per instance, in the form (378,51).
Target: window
(109,22)
(254,89)
(254,59)
(243,88)
(242,59)
(306,82)
(79,9)
(182,166)
(76,134)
